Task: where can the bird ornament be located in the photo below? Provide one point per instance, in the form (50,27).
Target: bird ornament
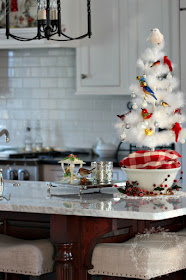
(156,37)
(176,128)
(156,63)
(148,90)
(177,111)
(85,172)
(165,104)
(149,132)
(145,114)
(122,117)
(168,62)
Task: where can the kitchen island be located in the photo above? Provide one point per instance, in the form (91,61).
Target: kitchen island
(75,224)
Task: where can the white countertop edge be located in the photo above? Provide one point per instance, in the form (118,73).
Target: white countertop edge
(93,213)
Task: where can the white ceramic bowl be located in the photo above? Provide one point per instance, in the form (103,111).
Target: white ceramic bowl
(147,177)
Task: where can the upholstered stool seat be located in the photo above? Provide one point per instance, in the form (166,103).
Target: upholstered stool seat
(181,232)
(28,257)
(142,257)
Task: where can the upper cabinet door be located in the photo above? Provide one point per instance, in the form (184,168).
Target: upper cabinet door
(106,63)
(69,19)
(182,4)
(98,58)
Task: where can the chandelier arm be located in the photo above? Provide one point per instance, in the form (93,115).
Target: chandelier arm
(23,39)
(89,18)
(69,38)
(7,19)
(59,16)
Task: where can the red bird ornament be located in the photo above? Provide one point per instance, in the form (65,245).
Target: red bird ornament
(178,111)
(168,62)
(155,63)
(176,128)
(145,114)
(122,117)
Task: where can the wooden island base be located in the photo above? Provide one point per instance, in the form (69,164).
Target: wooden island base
(75,238)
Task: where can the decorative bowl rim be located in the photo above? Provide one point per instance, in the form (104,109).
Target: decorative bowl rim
(150,170)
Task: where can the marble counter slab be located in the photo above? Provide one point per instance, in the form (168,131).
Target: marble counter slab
(33,197)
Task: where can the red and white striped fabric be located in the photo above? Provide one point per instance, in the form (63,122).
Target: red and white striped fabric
(162,159)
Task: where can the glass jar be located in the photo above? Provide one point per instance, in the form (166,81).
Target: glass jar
(103,172)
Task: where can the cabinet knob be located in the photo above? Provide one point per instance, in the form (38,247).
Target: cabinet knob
(83,76)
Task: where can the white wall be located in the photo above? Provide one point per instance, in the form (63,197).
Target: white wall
(40,84)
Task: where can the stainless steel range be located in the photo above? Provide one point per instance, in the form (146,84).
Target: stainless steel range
(27,166)
(20,169)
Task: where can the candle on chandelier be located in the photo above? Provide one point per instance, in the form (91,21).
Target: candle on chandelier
(54,14)
(41,14)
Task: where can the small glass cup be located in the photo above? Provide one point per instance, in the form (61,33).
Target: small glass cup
(103,172)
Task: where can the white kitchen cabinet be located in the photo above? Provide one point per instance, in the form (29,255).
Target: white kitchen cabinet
(106,64)
(182,4)
(70,19)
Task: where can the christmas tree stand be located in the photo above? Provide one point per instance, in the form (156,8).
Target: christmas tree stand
(149,179)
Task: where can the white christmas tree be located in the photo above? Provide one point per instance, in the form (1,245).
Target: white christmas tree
(156,101)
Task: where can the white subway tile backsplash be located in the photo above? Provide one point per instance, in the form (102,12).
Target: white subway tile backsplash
(39,93)
(31,82)
(48,104)
(14,104)
(48,82)
(76,115)
(66,61)
(21,72)
(22,93)
(38,72)
(66,82)
(39,84)
(47,61)
(56,115)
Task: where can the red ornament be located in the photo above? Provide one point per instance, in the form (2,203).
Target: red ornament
(178,111)
(176,128)
(122,117)
(145,114)
(155,63)
(168,62)
(14,7)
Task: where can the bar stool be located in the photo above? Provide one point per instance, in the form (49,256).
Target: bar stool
(143,258)
(28,257)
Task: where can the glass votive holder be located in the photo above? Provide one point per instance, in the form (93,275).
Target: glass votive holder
(103,172)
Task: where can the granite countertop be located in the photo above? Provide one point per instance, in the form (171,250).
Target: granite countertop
(33,197)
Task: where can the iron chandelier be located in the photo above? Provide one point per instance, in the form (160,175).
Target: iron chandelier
(48,22)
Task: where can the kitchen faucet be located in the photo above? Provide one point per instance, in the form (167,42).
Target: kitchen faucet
(2,185)
(5,131)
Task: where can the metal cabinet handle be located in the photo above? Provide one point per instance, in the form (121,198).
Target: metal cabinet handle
(83,76)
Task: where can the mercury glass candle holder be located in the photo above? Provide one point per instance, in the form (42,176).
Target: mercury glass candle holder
(103,172)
